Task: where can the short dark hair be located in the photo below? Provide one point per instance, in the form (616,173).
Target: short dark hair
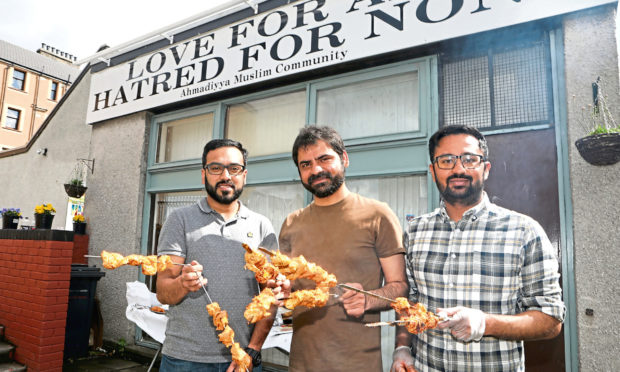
(223,142)
(310,135)
(457,129)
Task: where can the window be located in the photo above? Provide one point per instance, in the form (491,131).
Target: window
(274,201)
(19,79)
(379,106)
(498,86)
(165,203)
(185,138)
(12,118)
(54,91)
(268,125)
(406,195)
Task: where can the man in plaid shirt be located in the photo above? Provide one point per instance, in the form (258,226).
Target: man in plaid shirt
(493,271)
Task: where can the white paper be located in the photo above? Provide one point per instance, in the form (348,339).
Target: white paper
(139,301)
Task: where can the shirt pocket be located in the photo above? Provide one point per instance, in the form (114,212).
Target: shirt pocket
(427,266)
(495,275)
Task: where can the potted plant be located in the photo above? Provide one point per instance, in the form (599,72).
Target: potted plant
(43,216)
(75,188)
(601,145)
(79,226)
(10,218)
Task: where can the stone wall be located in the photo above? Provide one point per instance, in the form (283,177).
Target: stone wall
(591,51)
(115,207)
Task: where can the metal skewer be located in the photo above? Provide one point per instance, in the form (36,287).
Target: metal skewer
(266,251)
(401,321)
(391,323)
(174,263)
(366,293)
(203,287)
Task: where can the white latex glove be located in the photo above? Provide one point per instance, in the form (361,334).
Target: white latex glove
(402,361)
(466,324)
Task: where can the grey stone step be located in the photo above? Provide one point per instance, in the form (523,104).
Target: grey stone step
(5,348)
(12,367)
(5,351)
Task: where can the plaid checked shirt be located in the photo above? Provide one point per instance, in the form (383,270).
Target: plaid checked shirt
(493,259)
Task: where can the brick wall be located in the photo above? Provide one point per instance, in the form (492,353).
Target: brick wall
(35,273)
(80,249)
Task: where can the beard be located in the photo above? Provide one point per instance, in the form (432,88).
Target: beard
(226,197)
(326,188)
(466,196)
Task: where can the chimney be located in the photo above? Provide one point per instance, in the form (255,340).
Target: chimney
(56,54)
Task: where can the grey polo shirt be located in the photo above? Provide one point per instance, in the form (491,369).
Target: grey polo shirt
(199,233)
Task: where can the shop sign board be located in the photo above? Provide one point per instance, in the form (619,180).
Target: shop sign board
(297,37)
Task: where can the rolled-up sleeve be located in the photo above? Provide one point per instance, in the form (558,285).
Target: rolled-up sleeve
(540,276)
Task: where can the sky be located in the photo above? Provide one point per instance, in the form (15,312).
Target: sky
(80,27)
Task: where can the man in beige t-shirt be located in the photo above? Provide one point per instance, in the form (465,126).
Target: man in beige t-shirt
(356,238)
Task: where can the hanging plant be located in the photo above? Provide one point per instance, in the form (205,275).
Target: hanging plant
(601,146)
(600,149)
(76,186)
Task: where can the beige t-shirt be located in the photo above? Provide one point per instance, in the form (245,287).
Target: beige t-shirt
(346,239)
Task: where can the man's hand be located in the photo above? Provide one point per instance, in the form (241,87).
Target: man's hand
(354,302)
(281,288)
(233,368)
(466,324)
(402,361)
(191,277)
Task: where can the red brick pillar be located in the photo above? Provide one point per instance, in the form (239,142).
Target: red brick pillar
(35,273)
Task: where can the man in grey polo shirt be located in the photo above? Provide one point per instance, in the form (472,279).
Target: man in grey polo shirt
(207,236)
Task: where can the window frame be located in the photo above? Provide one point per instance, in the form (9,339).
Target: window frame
(54,88)
(225,104)
(421,66)
(22,81)
(156,123)
(405,148)
(409,150)
(17,119)
(481,47)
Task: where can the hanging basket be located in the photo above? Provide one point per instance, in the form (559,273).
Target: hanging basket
(600,149)
(75,191)
(75,185)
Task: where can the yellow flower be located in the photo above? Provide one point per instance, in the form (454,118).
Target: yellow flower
(78,218)
(44,209)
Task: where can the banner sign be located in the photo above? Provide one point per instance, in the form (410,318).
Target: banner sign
(297,37)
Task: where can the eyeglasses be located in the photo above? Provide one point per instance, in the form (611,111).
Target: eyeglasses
(469,161)
(217,168)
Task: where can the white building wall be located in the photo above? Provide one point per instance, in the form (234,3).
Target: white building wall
(28,179)
(115,207)
(590,51)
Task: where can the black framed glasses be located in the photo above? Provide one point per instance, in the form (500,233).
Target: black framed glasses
(233,169)
(469,161)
